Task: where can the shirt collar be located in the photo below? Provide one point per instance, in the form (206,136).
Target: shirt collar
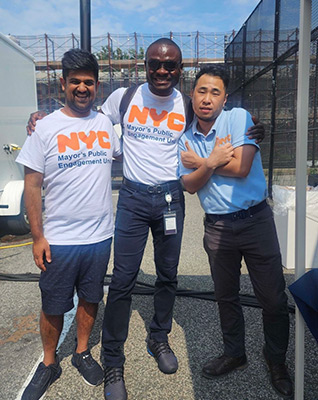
(212,130)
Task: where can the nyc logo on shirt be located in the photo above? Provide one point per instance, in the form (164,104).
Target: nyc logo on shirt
(173,119)
(148,125)
(75,142)
(226,139)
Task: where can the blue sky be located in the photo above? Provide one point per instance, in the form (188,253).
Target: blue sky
(61,17)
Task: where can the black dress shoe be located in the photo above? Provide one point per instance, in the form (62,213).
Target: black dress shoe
(223,365)
(280,378)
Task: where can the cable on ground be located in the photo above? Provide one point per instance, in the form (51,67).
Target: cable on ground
(146,289)
(11,246)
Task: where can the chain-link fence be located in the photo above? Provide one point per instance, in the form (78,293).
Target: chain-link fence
(121,59)
(262,60)
(263,64)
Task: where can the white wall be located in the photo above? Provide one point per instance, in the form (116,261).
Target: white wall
(17,101)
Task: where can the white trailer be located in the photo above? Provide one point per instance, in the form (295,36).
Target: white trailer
(18,99)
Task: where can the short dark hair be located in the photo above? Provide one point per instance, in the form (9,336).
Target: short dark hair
(78,59)
(214,70)
(166,41)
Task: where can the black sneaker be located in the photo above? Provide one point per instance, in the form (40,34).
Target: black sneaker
(90,370)
(161,351)
(42,379)
(114,388)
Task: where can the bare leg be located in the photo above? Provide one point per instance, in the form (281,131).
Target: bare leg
(85,318)
(50,327)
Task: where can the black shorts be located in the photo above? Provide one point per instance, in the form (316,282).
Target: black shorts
(81,267)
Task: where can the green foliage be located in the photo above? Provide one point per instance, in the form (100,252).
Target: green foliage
(313,171)
(119,54)
(103,53)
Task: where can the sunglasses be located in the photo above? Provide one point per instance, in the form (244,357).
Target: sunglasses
(167,65)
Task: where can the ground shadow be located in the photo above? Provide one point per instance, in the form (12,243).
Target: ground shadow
(67,347)
(200,324)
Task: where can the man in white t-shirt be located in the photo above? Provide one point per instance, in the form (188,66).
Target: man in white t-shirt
(70,154)
(151,197)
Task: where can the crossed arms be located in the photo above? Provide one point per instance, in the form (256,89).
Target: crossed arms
(223,160)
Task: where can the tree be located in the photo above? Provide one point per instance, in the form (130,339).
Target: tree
(141,54)
(103,54)
(119,54)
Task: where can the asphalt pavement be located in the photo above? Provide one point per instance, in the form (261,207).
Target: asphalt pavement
(195,335)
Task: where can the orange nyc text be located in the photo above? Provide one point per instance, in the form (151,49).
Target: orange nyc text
(73,141)
(173,119)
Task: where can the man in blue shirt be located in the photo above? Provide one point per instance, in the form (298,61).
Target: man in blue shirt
(238,222)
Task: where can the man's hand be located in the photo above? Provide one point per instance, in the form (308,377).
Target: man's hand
(41,252)
(32,120)
(220,155)
(257,131)
(189,158)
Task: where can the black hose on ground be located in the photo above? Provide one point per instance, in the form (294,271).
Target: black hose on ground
(146,289)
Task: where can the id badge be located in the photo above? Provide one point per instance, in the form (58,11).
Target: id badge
(170,222)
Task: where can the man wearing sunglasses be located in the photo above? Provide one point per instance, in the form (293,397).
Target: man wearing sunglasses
(151,197)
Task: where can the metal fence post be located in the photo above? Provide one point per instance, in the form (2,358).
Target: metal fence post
(301,182)
(273,106)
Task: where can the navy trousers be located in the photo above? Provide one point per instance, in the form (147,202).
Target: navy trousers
(139,209)
(255,239)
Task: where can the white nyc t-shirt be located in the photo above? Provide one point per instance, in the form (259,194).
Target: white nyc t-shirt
(75,156)
(152,127)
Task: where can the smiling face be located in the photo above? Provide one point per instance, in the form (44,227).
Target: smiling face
(163,67)
(80,89)
(208,98)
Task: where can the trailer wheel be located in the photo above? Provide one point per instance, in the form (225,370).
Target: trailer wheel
(19,225)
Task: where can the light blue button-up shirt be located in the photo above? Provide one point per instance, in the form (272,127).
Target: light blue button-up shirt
(222,194)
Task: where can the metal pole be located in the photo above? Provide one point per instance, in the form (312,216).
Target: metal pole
(48,73)
(243,77)
(136,59)
(74,39)
(198,54)
(301,172)
(273,106)
(85,18)
(314,133)
(110,63)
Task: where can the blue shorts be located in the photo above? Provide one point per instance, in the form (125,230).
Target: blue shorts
(81,267)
